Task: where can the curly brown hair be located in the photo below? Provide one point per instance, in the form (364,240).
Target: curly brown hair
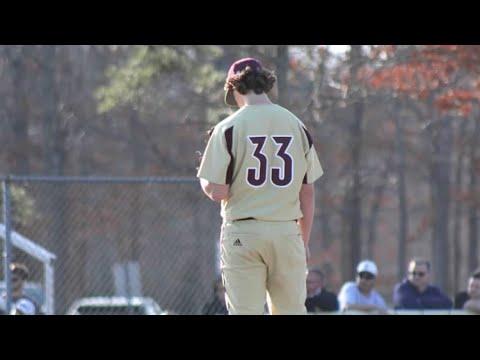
(249,80)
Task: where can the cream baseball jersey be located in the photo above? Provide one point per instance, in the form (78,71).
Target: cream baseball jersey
(265,153)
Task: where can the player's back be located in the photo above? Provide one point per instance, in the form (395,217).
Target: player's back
(268,145)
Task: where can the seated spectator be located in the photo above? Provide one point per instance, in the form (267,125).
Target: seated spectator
(361,295)
(217,306)
(21,304)
(318,298)
(23,307)
(470,300)
(416,292)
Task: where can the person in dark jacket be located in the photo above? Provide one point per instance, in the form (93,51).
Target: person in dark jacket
(318,298)
(470,300)
(416,292)
(217,306)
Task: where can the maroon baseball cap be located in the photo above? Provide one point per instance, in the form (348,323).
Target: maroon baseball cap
(237,67)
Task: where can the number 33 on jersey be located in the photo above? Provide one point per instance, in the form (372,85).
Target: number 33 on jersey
(279,176)
(265,154)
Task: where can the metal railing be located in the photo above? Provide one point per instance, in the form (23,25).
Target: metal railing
(401,312)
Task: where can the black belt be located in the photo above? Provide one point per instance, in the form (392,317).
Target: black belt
(252,218)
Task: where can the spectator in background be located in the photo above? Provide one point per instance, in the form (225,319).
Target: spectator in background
(318,298)
(470,300)
(21,304)
(24,307)
(416,292)
(217,306)
(361,295)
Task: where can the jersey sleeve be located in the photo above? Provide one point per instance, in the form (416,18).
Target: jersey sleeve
(314,168)
(216,158)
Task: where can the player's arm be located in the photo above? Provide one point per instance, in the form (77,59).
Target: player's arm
(307,206)
(307,192)
(216,192)
(216,165)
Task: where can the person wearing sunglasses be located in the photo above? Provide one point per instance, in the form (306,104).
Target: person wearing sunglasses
(416,292)
(470,300)
(361,295)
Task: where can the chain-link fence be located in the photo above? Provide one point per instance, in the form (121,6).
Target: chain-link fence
(147,240)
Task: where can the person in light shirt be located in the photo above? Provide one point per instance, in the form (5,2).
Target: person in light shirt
(361,295)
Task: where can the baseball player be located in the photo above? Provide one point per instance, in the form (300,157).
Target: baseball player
(260,163)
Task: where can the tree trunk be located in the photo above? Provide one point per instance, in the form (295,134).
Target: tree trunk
(282,65)
(402,195)
(440,186)
(377,199)
(133,242)
(20,113)
(314,110)
(457,221)
(347,267)
(355,236)
(325,216)
(352,208)
(473,207)
(55,135)
(54,164)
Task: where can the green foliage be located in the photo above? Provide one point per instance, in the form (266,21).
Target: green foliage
(206,78)
(129,83)
(22,206)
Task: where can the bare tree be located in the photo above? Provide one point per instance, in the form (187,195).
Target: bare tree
(281,62)
(458,207)
(473,207)
(402,195)
(353,200)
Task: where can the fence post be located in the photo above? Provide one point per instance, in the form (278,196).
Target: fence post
(7,254)
(49,288)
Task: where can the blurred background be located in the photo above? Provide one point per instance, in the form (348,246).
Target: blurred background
(396,129)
